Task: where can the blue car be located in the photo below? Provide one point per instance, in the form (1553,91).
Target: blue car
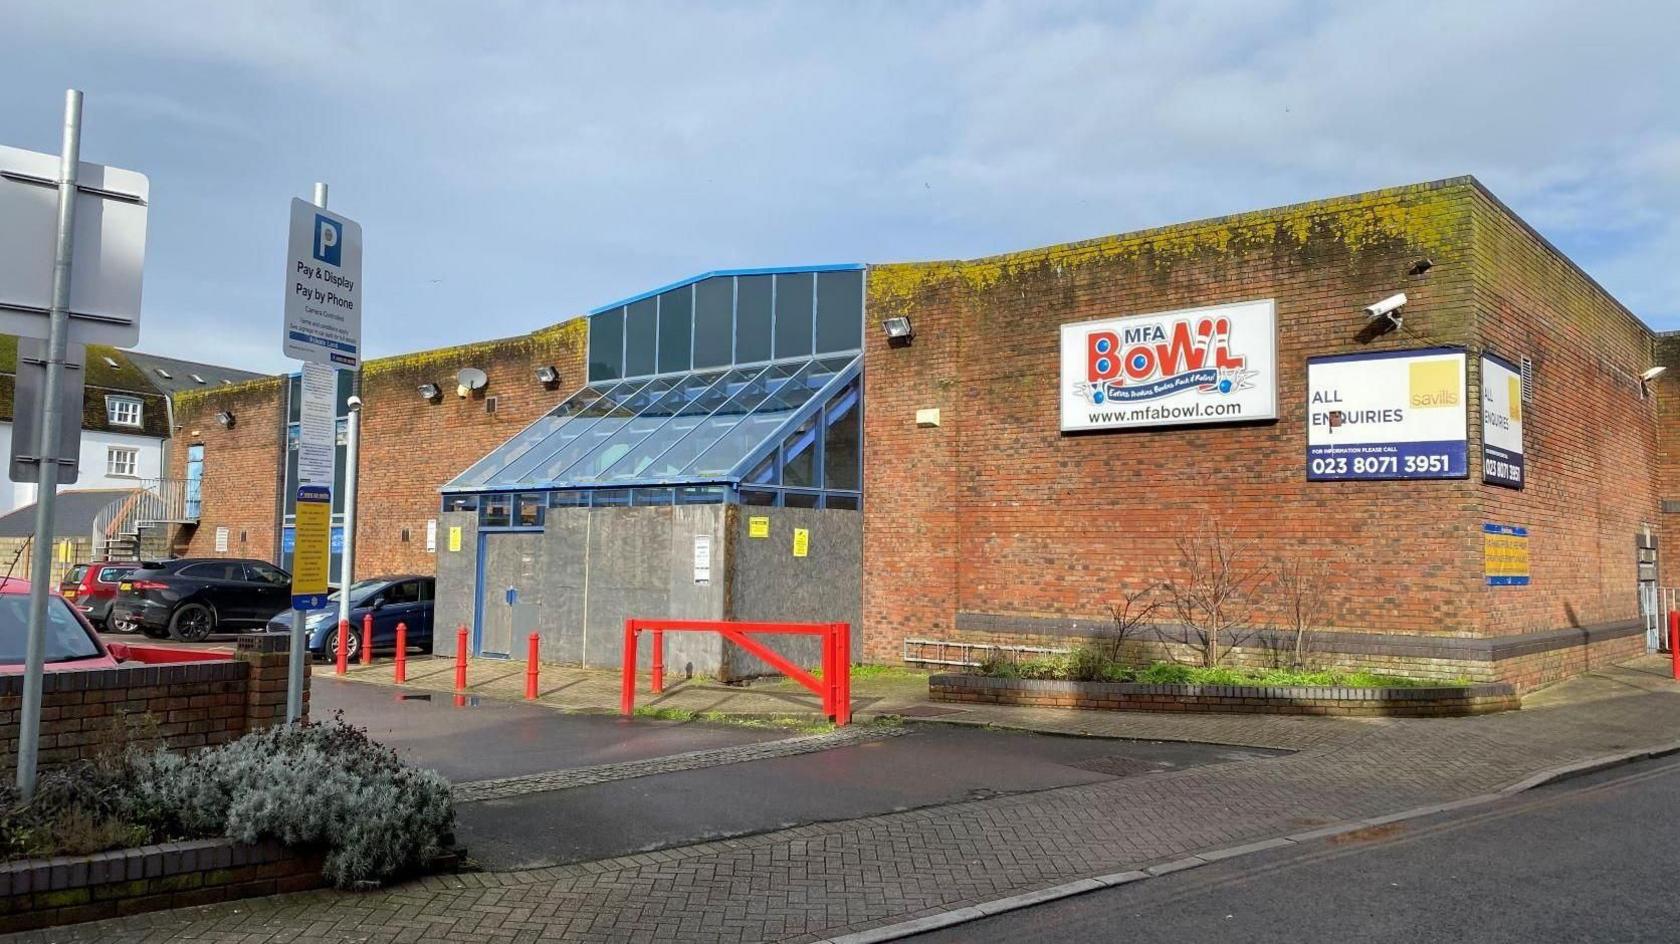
(406,598)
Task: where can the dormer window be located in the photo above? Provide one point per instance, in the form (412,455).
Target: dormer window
(123,411)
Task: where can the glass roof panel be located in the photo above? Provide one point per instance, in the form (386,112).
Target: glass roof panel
(692,431)
(607,405)
(688,389)
(547,471)
(745,437)
(481,471)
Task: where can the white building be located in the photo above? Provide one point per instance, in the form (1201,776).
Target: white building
(126,421)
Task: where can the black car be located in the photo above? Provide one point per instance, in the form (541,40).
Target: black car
(190,598)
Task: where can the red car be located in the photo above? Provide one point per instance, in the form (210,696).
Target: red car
(70,642)
(91,588)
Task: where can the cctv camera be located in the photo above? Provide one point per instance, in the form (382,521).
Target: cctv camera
(354,403)
(1387,306)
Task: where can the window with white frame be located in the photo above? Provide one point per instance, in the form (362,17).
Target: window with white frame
(123,411)
(122,461)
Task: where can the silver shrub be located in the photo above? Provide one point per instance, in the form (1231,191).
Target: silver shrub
(321,785)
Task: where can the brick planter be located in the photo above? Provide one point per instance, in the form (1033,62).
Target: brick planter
(1248,699)
(38,893)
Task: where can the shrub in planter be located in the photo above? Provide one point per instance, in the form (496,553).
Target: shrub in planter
(325,785)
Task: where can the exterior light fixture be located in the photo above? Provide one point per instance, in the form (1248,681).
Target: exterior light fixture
(898,329)
(1653,373)
(429,392)
(548,376)
(226,419)
(1421,266)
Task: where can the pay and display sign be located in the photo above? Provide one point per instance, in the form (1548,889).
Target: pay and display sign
(1175,368)
(1502,422)
(1388,415)
(323,287)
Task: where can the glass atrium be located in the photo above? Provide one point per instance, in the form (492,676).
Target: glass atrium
(735,386)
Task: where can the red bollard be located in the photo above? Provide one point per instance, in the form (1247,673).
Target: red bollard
(658,662)
(367,639)
(402,654)
(461,658)
(343,648)
(1674,641)
(531,669)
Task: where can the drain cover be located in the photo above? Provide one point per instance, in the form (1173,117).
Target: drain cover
(1117,765)
(426,697)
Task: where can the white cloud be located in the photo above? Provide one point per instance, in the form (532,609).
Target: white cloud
(541,159)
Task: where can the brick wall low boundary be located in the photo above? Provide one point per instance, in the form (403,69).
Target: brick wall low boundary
(1256,699)
(192,704)
(38,893)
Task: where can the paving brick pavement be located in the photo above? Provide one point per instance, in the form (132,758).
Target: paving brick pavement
(813,881)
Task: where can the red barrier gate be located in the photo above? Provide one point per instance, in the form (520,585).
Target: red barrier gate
(834,688)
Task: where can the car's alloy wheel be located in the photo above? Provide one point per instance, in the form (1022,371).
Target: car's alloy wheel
(192,623)
(353,645)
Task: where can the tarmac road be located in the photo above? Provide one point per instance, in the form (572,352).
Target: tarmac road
(1595,859)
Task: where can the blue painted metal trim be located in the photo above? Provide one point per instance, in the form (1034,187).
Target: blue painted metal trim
(721,273)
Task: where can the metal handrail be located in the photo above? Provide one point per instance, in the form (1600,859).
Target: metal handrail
(154,501)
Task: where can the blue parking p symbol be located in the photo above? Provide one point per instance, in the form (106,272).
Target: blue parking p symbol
(329,234)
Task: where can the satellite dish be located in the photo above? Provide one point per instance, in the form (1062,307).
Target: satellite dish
(471,378)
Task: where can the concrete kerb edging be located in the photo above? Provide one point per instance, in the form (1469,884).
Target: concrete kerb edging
(903,929)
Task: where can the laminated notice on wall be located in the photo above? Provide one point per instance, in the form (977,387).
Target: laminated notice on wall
(431,535)
(221,540)
(1505,555)
(801,542)
(702,559)
(454,537)
(758,526)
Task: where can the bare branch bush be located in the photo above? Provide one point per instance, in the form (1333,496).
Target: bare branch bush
(1301,583)
(1216,591)
(1128,616)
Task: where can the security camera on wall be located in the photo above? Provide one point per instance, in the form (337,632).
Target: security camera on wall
(1387,308)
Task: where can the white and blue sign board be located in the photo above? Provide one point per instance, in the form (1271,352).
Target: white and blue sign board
(1502,422)
(323,288)
(1388,415)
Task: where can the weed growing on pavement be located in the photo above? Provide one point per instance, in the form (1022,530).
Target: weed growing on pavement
(780,722)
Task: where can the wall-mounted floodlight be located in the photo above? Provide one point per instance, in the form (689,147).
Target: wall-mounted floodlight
(1421,266)
(898,329)
(1653,373)
(226,419)
(429,392)
(548,376)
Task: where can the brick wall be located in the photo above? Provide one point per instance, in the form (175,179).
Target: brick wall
(997,511)
(192,705)
(996,514)
(239,466)
(409,446)
(1590,434)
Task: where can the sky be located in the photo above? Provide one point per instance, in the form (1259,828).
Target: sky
(516,164)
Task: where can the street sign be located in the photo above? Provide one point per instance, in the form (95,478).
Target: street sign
(317,425)
(312,548)
(30,384)
(109,239)
(323,287)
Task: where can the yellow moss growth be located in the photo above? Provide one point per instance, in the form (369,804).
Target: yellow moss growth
(567,335)
(1428,216)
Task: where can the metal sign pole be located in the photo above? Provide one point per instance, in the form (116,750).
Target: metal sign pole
(294,665)
(347,560)
(58,341)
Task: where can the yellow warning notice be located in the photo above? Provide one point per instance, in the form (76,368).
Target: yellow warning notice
(801,542)
(758,526)
(312,552)
(454,537)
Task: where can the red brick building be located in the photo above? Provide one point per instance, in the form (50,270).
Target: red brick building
(983,520)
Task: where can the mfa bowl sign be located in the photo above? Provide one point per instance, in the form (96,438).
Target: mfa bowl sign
(1175,368)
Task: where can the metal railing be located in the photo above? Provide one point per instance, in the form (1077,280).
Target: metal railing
(117,527)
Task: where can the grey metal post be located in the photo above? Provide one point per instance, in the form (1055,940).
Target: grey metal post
(347,560)
(294,662)
(58,342)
